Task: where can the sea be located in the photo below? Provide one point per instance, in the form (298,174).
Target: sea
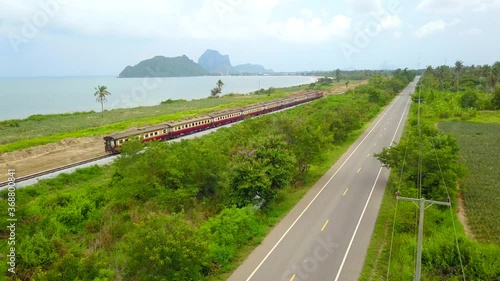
(23,97)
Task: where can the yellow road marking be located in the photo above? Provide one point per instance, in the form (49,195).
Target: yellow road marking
(345,192)
(358,171)
(368,155)
(323,228)
(293,277)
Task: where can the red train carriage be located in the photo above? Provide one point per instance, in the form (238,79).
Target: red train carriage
(158,132)
(184,127)
(225,117)
(252,110)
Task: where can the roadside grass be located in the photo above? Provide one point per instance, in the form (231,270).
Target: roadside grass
(480,149)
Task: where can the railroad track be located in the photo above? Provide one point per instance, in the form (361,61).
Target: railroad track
(47,172)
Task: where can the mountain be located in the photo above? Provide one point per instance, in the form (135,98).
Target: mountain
(160,66)
(251,68)
(215,63)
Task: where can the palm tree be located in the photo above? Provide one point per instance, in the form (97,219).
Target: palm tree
(440,71)
(220,84)
(495,73)
(100,93)
(459,65)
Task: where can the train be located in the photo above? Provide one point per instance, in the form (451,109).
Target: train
(175,129)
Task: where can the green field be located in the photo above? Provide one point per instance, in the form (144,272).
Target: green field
(480,148)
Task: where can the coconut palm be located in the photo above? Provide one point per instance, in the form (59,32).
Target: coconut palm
(440,73)
(220,84)
(100,93)
(459,65)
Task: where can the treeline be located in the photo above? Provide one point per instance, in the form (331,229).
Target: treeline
(184,210)
(426,163)
(339,74)
(452,89)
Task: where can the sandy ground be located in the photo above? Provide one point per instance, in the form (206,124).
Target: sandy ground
(68,151)
(40,158)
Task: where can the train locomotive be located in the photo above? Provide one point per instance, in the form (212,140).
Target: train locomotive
(175,129)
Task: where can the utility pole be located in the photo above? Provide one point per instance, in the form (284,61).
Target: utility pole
(418,270)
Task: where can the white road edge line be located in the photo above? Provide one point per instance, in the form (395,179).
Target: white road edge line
(321,190)
(368,201)
(357,226)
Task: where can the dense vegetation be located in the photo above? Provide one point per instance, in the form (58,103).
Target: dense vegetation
(186,210)
(458,93)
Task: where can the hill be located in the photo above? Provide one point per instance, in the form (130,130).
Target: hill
(161,66)
(214,62)
(251,68)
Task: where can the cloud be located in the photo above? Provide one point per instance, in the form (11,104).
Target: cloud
(93,17)
(254,20)
(456,6)
(310,30)
(433,27)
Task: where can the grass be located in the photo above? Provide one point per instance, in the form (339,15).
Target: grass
(480,149)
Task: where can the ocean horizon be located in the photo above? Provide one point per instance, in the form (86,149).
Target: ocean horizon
(25,96)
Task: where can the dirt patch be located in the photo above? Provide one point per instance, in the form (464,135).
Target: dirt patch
(44,157)
(462,216)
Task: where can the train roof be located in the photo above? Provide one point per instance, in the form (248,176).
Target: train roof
(222,113)
(137,131)
(186,121)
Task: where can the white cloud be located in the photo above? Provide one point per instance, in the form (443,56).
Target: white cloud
(310,31)
(94,17)
(251,21)
(396,35)
(433,27)
(457,6)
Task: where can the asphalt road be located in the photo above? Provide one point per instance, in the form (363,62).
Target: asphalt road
(326,235)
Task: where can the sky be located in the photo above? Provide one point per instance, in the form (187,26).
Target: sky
(101,37)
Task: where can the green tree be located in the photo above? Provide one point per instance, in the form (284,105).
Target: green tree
(165,247)
(468,99)
(496,98)
(100,93)
(337,75)
(459,65)
(214,93)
